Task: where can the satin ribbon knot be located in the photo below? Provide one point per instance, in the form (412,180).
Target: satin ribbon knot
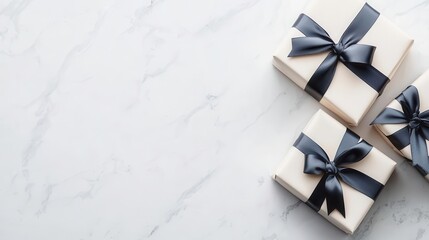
(338,50)
(415,121)
(330,168)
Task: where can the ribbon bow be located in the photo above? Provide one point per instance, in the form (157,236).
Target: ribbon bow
(317,162)
(356,57)
(415,133)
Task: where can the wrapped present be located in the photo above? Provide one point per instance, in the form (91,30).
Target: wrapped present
(343,54)
(334,171)
(405,124)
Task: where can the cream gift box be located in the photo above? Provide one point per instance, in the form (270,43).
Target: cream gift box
(343,54)
(358,170)
(405,123)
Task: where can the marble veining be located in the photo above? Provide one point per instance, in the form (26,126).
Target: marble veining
(163,119)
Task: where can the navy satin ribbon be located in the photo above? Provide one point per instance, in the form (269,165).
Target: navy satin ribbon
(317,162)
(356,57)
(415,133)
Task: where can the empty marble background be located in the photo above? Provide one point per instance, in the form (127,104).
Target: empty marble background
(165,119)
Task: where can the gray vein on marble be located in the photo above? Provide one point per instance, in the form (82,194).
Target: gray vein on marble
(290,209)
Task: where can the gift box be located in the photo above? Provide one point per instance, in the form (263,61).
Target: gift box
(334,171)
(404,123)
(343,54)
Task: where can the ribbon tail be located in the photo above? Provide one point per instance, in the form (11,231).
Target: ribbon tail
(425,124)
(334,195)
(419,152)
(424,117)
(322,78)
(318,196)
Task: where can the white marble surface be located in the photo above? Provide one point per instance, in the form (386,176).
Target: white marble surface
(165,119)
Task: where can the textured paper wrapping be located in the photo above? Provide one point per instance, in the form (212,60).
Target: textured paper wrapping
(328,133)
(422,85)
(348,96)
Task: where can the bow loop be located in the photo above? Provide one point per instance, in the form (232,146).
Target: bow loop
(353,154)
(390,115)
(358,54)
(410,102)
(302,46)
(424,116)
(310,28)
(315,164)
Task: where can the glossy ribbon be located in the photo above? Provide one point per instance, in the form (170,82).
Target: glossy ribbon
(317,162)
(415,133)
(356,57)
